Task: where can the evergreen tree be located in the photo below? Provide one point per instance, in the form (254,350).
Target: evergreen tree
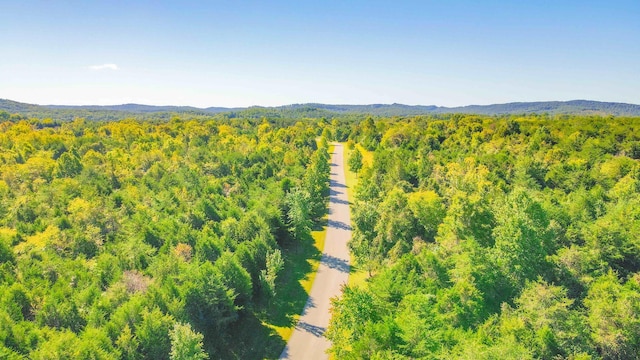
(355,161)
(186,344)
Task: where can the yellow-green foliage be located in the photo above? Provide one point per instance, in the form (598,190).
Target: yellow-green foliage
(512,237)
(113,233)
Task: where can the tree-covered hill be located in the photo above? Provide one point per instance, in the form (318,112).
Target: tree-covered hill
(312,110)
(135,108)
(574,107)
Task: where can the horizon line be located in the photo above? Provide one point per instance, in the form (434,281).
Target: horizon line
(320,103)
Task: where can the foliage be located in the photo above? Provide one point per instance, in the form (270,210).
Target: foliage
(511,237)
(317,111)
(268,277)
(355,161)
(186,344)
(485,237)
(149,239)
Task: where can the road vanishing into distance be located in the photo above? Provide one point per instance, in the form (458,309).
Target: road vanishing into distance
(307,340)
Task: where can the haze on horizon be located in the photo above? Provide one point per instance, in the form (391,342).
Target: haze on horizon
(235,54)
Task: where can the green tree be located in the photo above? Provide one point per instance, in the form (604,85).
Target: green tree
(353,313)
(268,276)
(235,277)
(614,316)
(523,239)
(299,213)
(208,302)
(428,210)
(365,218)
(153,334)
(68,165)
(6,253)
(396,227)
(355,161)
(128,344)
(316,182)
(186,344)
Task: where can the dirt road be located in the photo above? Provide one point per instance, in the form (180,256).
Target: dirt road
(307,341)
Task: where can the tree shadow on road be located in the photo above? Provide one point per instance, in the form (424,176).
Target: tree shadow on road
(338,201)
(335,184)
(334,193)
(335,263)
(338,225)
(314,330)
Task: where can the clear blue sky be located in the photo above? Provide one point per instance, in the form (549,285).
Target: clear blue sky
(240,53)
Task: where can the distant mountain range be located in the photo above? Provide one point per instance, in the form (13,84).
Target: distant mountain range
(584,107)
(112,112)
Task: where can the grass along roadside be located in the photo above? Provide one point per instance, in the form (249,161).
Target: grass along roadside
(264,332)
(367,156)
(357,276)
(303,264)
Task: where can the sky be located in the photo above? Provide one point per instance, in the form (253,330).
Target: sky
(269,53)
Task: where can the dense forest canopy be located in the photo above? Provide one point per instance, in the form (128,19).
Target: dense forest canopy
(134,240)
(495,238)
(509,237)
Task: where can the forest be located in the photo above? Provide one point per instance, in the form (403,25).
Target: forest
(9,108)
(142,240)
(494,238)
(479,237)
